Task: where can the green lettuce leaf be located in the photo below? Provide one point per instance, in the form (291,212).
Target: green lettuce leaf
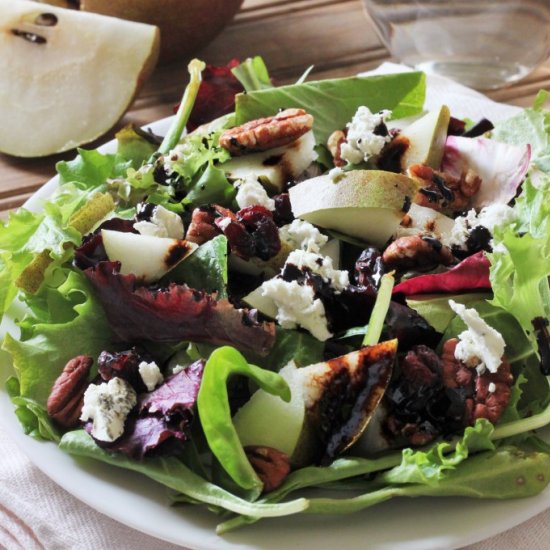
(428,467)
(253,74)
(301,347)
(92,168)
(136,145)
(65,321)
(529,126)
(33,417)
(205,269)
(173,473)
(334,102)
(520,262)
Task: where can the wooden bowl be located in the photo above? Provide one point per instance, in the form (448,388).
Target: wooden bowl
(186,26)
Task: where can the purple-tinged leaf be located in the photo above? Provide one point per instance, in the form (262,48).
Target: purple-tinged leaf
(176,313)
(500,166)
(177,394)
(470,274)
(146,433)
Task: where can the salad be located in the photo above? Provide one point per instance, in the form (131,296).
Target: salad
(319,285)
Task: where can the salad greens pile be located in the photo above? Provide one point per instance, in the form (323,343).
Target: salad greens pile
(58,315)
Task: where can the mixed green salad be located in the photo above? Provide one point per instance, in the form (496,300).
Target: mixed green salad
(319,285)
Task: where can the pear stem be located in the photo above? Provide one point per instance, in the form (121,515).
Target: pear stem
(175,132)
(379,311)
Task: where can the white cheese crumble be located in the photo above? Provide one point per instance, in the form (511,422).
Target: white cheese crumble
(302,235)
(297,306)
(163,223)
(250,192)
(492,387)
(107,405)
(322,266)
(490,217)
(150,374)
(480,346)
(361,141)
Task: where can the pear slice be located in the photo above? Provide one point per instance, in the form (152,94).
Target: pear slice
(367,204)
(331,406)
(67,76)
(145,256)
(426,139)
(275,167)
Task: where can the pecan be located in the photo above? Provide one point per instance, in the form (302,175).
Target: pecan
(267,133)
(271,465)
(416,251)
(202,228)
(443,191)
(334,145)
(67,395)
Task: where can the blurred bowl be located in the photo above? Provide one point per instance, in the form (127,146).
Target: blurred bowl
(186,26)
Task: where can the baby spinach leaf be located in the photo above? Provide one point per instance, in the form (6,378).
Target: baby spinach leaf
(334,102)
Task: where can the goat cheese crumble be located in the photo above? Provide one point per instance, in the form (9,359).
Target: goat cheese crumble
(296,302)
(302,235)
(297,306)
(107,405)
(150,374)
(250,192)
(488,217)
(320,265)
(163,223)
(361,141)
(480,346)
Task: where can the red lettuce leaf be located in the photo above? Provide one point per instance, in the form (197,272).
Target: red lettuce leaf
(216,95)
(470,274)
(176,313)
(177,393)
(144,434)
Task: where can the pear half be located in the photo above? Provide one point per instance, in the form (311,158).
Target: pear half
(366,204)
(331,406)
(67,76)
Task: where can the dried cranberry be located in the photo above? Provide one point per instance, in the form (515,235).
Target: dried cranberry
(124,364)
(240,241)
(266,239)
(252,215)
(369,267)
(283,210)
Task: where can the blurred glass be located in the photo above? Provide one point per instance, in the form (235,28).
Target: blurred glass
(484,44)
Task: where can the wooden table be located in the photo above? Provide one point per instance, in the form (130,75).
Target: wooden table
(333,35)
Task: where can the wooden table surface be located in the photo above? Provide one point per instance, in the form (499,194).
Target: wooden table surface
(333,35)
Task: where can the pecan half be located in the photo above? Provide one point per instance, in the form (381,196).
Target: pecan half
(271,465)
(334,145)
(267,133)
(67,395)
(416,251)
(443,191)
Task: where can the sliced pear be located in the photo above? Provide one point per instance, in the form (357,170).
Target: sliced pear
(67,76)
(275,167)
(426,221)
(426,139)
(367,204)
(145,256)
(332,404)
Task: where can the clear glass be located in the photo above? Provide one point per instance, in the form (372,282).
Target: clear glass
(484,44)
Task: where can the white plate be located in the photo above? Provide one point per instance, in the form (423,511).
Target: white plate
(132,499)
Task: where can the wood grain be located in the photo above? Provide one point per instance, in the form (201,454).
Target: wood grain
(333,35)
